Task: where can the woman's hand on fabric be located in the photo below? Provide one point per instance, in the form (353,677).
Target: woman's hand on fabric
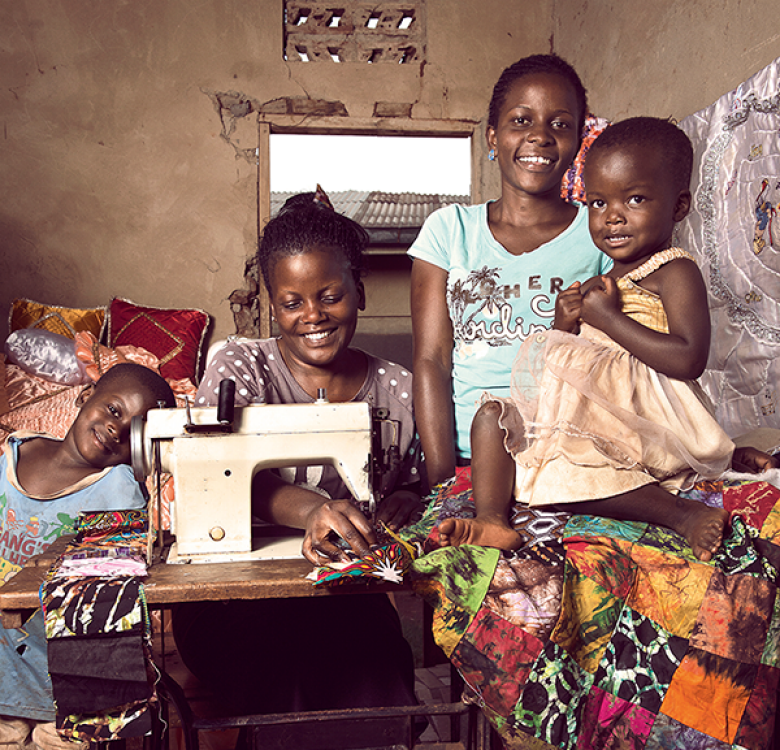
(400,508)
(568,306)
(339,517)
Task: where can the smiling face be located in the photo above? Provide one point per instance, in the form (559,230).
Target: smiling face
(633,203)
(536,136)
(101,431)
(315,299)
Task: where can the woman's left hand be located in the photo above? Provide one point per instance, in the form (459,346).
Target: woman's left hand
(399,508)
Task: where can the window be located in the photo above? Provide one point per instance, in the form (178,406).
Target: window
(389,185)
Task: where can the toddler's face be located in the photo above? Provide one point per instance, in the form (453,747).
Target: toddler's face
(632,203)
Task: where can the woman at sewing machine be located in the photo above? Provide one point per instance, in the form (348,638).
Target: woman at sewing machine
(340,652)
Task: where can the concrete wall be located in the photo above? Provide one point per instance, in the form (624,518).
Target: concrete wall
(122,175)
(127,160)
(664,58)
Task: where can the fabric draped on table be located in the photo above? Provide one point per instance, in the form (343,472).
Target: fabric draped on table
(599,633)
(98,630)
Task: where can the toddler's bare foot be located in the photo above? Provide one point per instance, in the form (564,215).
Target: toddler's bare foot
(482,530)
(702,526)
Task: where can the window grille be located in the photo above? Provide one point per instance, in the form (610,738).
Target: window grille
(388,32)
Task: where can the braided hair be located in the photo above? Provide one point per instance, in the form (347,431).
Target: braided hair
(305,222)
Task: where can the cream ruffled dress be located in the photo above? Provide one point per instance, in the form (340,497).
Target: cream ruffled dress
(586,420)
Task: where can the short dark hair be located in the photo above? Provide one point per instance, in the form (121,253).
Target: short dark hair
(303,225)
(144,377)
(673,146)
(531,65)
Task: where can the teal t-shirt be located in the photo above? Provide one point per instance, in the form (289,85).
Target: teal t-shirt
(497,299)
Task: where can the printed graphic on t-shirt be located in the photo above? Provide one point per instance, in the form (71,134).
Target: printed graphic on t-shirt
(21,538)
(480,306)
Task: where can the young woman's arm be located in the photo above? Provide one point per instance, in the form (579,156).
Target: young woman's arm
(683,352)
(433,341)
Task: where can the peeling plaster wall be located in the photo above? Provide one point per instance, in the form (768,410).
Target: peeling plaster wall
(664,58)
(121,175)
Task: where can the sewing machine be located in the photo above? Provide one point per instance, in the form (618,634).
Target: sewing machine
(214,453)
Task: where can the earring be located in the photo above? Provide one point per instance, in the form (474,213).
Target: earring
(492,154)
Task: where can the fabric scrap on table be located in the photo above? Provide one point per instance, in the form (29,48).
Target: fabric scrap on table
(98,630)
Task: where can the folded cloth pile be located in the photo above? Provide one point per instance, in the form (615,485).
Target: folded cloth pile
(98,631)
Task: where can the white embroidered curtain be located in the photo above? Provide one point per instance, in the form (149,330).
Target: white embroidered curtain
(734,230)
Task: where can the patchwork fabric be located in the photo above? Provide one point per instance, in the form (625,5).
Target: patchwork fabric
(98,632)
(613,634)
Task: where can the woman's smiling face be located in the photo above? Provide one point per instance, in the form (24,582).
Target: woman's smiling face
(537,133)
(315,300)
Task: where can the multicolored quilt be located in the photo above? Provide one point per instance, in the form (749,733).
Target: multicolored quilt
(605,634)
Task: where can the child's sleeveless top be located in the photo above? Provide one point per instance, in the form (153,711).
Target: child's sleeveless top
(587,420)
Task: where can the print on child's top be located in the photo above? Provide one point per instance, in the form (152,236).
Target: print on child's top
(29,525)
(23,536)
(483,293)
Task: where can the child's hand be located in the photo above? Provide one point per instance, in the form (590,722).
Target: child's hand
(750,460)
(600,302)
(568,305)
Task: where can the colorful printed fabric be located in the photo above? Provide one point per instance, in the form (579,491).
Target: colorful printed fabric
(98,631)
(388,561)
(612,634)
(572,186)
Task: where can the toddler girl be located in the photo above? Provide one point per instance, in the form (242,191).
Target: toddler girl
(605,412)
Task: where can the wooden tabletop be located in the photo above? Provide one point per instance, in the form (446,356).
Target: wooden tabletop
(169,584)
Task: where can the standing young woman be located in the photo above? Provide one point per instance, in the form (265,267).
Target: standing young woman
(485,277)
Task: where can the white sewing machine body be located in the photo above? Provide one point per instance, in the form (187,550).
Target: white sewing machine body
(213,464)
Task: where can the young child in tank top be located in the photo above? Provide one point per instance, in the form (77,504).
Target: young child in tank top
(605,415)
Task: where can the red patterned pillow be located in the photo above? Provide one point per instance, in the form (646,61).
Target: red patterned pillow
(174,336)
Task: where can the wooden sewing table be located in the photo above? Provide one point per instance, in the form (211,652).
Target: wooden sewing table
(171,584)
(167,584)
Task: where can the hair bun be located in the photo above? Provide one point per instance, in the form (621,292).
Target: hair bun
(303,201)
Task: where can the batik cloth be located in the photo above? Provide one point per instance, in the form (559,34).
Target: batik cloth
(601,633)
(28,525)
(388,560)
(98,631)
